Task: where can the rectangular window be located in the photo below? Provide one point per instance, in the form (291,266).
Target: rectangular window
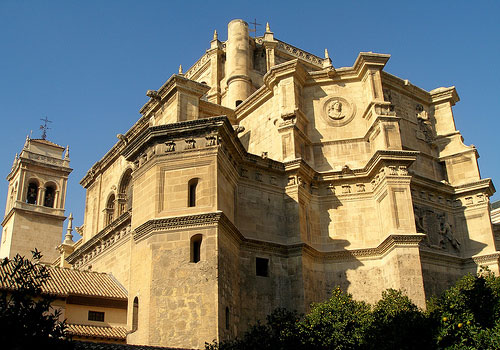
(96,316)
(262,267)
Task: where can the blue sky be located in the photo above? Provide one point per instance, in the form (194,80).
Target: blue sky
(86,65)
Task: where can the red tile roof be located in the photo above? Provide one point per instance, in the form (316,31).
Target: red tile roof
(64,282)
(104,332)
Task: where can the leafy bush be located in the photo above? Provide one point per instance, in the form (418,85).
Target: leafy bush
(277,333)
(27,319)
(465,317)
(467,314)
(398,324)
(338,323)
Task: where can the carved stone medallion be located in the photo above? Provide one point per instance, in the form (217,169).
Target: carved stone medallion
(338,111)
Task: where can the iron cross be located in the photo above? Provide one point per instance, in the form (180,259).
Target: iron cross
(255,24)
(44,127)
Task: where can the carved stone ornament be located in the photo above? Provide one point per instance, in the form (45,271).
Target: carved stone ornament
(338,111)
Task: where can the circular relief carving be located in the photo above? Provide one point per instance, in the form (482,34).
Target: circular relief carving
(338,111)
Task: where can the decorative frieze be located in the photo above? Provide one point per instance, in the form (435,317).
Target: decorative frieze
(293,51)
(104,240)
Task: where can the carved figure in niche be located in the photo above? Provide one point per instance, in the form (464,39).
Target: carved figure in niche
(424,123)
(447,236)
(420,225)
(419,220)
(335,110)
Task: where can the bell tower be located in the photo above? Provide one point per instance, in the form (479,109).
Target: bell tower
(34,212)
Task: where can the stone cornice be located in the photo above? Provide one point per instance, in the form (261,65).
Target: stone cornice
(372,60)
(98,240)
(437,186)
(114,152)
(290,68)
(33,209)
(480,185)
(483,185)
(155,226)
(486,258)
(174,130)
(443,94)
(28,157)
(432,256)
(405,87)
(186,221)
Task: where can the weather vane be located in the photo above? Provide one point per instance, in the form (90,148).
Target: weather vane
(44,127)
(255,24)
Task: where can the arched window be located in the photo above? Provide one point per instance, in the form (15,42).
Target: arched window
(32,195)
(110,209)
(135,315)
(196,248)
(50,193)
(192,184)
(125,192)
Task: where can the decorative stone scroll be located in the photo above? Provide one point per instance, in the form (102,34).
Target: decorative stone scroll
(170,146)
(190,143)
(211,140)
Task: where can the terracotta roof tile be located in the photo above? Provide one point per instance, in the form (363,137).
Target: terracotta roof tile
(105,332)
(64,282)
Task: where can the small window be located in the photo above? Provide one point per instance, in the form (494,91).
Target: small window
(193,183)
(110,209)
(227,317)
(262,267)
(238,102)
(96,316)
(196,248)
(135,315)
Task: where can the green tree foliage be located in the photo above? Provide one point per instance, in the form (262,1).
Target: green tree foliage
(398,324)
(465,317)
(468,314)
(276,334)
(338,323)
(27,319)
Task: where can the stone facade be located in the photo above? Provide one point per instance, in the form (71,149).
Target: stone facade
(34,213)
(263,177)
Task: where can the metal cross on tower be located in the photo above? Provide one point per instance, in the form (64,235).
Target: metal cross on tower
(255,24)
(44,127)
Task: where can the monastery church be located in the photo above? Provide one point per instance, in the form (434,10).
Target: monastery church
(261,177)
